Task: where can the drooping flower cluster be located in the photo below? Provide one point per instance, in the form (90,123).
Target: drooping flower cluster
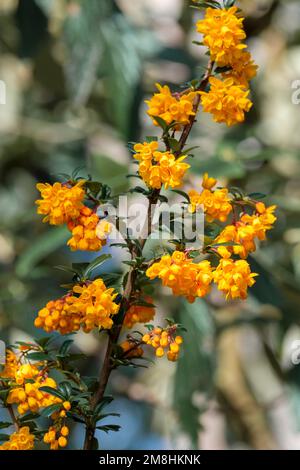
(60,203)
(27,395)
(223,34)
(89,233)
(64,204)
(88,306)
(171,107)
(245,231)
(139,313)
(159,168)
(233,278)
(182,275)
(216,204)
(57,436)
(226,101)
(19,440)
(192,280)
(25,381)
(164,339)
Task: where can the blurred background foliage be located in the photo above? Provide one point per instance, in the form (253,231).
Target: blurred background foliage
(77,74)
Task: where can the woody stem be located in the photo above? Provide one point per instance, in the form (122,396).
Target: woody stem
(153,198)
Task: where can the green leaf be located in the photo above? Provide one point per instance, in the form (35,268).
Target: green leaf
(161,122)
(96,263)
(5,424)
(109,427)
(257,195)
(66,389)
(174,144)
(52,391)
(49,410)
(49,242)
(151,138)
(181,193)
(38,356)
(4,437)
(63,350)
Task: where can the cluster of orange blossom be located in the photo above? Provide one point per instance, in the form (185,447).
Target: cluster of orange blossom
(90,304)
(63,203)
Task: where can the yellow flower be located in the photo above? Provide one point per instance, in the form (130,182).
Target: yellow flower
(10,366)
(222,33)
(89,306)
(159,168)
(184,277)
(171,108)
(88,232)
(139,313)
(208,182)
(29,397)
(161,339)
(60,203)
(262,220)
(243,70)
(226,101)
(215,204)
(19,440)
(233,278)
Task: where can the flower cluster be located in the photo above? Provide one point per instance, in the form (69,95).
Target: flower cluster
(245,231)
(172,108)
(164,339)
(28,397)
(64,203)
(60,203)
(89,233)
(233,278)
(57,436)
(88,306)
(139,313)
(159,168)
(216,204)
(19,440)
(223,34)
(226,101)
(192,280)
(182,275)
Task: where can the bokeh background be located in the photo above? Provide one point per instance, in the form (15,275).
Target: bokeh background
(77,74)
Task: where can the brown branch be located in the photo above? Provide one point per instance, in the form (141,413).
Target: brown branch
(108,366)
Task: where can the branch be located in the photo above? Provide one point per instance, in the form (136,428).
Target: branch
(107,366)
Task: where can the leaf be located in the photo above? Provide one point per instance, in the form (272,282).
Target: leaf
(174,144)
(181,193)
(151,138)
(38,356)
(52,391)
(4,424)
(109,427)
(161,122)
(4,437)
(96,263)
(257,195)
(49,410)
(39,249)
(63,350)
(104,402)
